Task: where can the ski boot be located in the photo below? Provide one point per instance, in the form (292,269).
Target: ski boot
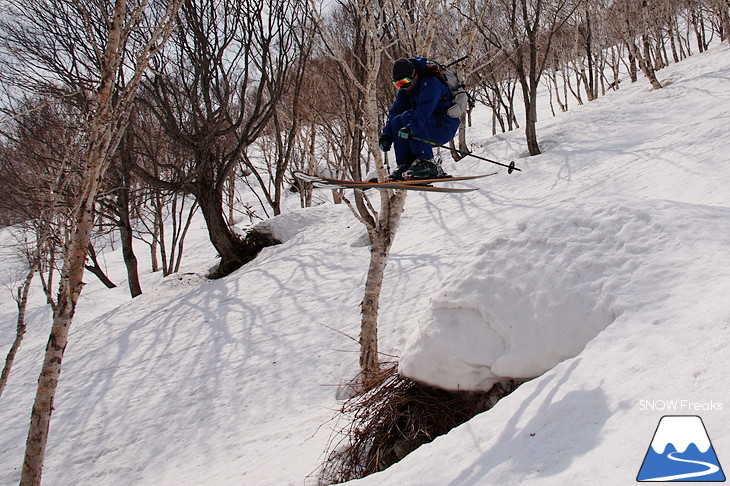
(425,169)
(399,173)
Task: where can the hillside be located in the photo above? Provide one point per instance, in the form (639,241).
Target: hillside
(615,238)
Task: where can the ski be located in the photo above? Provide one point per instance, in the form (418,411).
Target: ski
(419,187)
(412,184)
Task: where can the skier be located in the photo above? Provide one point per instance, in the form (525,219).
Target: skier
(419,110)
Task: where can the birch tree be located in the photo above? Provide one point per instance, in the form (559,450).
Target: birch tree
(722,7)
(630,23)
(373,36)
(460,46)
(279,147)
(115,44)
(415,27)
(21,300)
(37,184)
(32,236)
(361,62)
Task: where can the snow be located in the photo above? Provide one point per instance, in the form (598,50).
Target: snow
(537,294)
(599,273)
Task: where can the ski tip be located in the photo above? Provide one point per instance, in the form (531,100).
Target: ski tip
(302,175)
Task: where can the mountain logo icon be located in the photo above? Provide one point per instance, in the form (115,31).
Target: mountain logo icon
(681,451)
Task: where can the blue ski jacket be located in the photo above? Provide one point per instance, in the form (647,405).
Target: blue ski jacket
(428,99)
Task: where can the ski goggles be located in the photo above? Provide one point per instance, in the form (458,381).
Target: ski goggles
(403,83)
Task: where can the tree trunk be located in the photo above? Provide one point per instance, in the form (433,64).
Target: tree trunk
(633,74)
(224,241)
(458,155)
(70,288)
(106,124)
(381,239)
(124,222)
(531,134)
(591,88)
(672,43)
(231,193)
(645,64)
(23,291)
(528,75)
(369,359)
(531,119)
(125,232)
(130,259)
(160,234)
(48,382)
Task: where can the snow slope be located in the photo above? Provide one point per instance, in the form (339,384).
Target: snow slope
(602,267)
(537,294)
(629,235)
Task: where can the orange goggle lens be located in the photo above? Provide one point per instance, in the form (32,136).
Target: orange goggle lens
(403,83)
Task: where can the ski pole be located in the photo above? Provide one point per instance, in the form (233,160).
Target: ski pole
(510,167)
(457,61)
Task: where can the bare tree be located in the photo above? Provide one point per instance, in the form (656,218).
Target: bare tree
(460,47)
(524,30)
(162,215)
(360,60)
(214,92)
(22,301)
(39,138)
(117,207)
(114,49)
(278,147)
(325,137)
(159,212)
(415,26)
(31,252)
(360,36)
(722,8)
(631,25)
(495,86)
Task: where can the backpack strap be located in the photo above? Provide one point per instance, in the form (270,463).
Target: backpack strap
(432,69)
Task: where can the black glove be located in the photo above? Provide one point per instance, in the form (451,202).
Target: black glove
(405,133)
(385,142)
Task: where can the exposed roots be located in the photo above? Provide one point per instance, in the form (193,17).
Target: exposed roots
(247,247)
(388,422)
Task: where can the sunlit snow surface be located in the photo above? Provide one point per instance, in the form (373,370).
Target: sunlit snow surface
(603,267)
(536,294)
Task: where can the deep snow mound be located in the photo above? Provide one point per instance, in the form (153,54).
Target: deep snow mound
(539,293)
(285,227)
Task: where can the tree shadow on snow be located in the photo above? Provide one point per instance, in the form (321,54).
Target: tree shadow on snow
(544,446)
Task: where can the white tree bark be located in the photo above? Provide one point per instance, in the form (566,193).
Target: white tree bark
(381,224)
(105,129)
(381,236)
(22,301)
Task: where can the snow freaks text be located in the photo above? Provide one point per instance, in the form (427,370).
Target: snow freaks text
(680,406)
